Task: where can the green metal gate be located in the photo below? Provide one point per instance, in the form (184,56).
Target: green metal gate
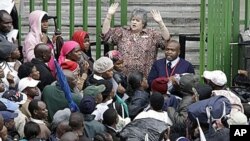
(219,28)
(98,3)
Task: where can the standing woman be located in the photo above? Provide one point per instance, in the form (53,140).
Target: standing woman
(137,44)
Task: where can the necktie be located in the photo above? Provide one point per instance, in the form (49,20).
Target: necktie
(169,66)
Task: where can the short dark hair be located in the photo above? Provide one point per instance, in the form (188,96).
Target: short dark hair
(103,136)
(33,105)
(110,116)
(156,101)
(75,120)
(134,82)
(25,70)
(31,130)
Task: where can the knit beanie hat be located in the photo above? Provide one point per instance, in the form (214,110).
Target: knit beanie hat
(160,84)
(87,104)
(102,65)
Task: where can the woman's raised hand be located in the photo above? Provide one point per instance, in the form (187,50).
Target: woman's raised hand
(156,15)
(113,7)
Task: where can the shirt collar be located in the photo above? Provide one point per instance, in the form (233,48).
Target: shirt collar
(97,77)
(174,62)
(38,121)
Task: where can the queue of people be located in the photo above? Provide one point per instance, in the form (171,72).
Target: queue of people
(124,95)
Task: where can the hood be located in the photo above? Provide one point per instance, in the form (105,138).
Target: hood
(35,19)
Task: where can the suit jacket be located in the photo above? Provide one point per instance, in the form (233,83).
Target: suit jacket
(158,69)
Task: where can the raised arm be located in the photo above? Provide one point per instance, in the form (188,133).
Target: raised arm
(158,19)
(107,20)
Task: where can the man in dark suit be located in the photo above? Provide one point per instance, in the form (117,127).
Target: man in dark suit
(170,65)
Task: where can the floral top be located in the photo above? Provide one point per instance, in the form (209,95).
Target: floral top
(139,51)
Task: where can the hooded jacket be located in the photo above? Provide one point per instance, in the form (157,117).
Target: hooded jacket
(33,37)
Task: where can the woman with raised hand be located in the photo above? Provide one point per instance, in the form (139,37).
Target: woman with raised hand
(137,44)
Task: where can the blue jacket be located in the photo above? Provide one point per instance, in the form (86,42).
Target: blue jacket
(158,69)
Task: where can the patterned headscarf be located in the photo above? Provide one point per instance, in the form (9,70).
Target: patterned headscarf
(66,49)
(79,36)
(114,55)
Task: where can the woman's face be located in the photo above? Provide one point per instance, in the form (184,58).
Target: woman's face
(118,65)
(75,54)
(136,24)
(35,74)
(15,54)
(86,44)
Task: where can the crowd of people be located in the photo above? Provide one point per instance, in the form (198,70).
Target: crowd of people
(125,95)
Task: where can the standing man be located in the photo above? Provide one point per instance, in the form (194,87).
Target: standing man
(170,65)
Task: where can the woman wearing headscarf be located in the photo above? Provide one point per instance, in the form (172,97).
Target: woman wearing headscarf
(69,57)
(82,38)
(137,44)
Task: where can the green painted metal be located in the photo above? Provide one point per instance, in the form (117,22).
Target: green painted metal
(228,38)
(98,28)
(247,13)
(210,49)
(219,36)
(32,5)
(45,5)
(112,24)
(19,29)
(58,14)
(202,36)
(71,18)
(85,15)
(124,11)
(235,32)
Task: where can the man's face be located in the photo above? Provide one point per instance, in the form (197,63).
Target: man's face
(47,55)
(172,51)
(6,23)
(42,111)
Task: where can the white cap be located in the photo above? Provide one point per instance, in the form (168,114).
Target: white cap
(27,82)
(237,118)
(217,77)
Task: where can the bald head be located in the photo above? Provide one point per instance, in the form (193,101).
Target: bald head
(71,78)
(42,51)
(69,136)
(172,50)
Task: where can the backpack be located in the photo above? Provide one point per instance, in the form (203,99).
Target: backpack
(209,110)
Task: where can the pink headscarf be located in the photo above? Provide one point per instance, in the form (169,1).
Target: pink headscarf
(66,48)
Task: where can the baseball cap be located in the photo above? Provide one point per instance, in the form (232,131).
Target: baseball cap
(13,95)
(6,104)
(7,115)
(94,90)
(237,118)
(6,48)
(27,82)
(187,82)
(218,77)
(46,17)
